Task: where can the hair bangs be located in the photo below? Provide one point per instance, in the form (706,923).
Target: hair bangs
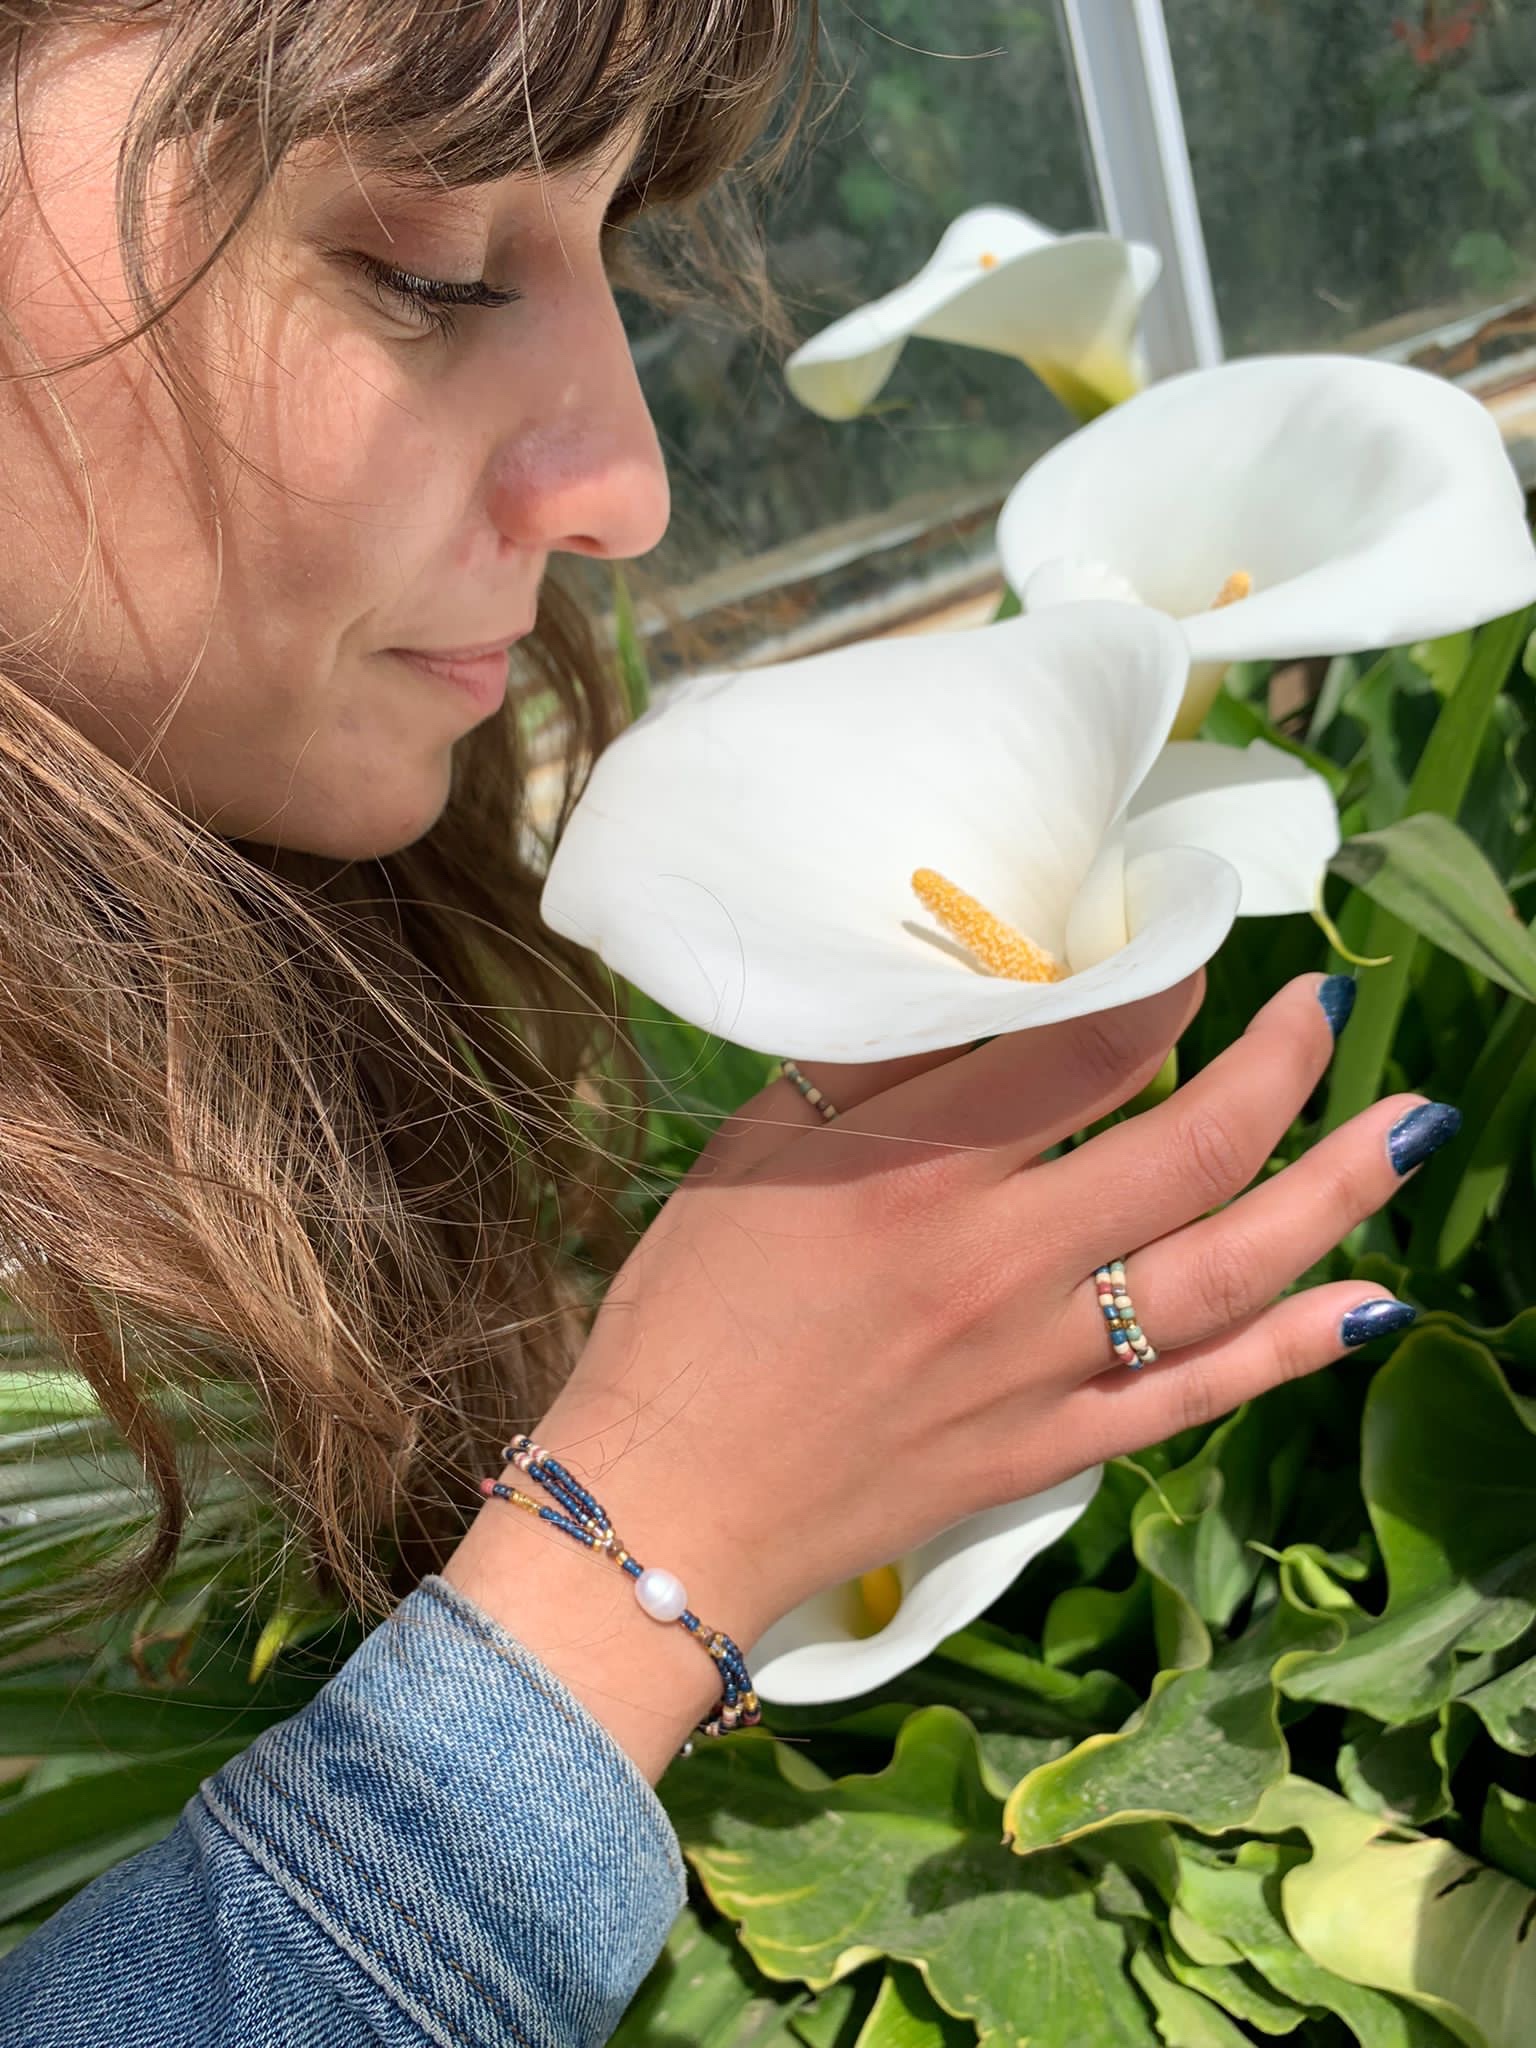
(489,89)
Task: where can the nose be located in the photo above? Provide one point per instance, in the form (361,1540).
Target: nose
(581,471)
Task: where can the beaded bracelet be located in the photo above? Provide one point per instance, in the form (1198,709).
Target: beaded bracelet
(659,1592)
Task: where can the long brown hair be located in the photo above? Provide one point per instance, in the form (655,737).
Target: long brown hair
(320,1127)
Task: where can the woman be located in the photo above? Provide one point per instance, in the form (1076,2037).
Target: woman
(312,370)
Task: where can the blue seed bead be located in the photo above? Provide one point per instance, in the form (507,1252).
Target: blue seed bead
(632,1568)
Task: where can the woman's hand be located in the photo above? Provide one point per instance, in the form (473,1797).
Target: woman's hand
(838,1339)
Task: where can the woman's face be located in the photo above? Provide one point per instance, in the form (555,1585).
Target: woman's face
(405,487)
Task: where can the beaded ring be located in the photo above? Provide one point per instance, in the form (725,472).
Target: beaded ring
(1125,1334)
(660,1593)
(809,1090)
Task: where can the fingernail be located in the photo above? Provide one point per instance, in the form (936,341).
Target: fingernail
(1337,996)
(1422,1131)
(1375,1319)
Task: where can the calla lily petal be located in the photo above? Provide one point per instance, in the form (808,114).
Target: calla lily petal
(1371,505)
(744,852)
(814,1653)
(1268,814)
(1065,304)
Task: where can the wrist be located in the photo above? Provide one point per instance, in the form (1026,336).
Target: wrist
(650,1683)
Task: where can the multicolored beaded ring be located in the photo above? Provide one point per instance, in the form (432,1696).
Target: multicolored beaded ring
(1125,1334)
(660,1593)
(809,1090)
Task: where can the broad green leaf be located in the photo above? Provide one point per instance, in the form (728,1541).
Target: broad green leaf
(702,1990)
(1207,1741)
(1508,1837)
(1238,1989)
(825,1874)
(1448,1470)
(833,2017)
(1085,1623)
(1440,782)
(1415,1918)
(904,2016)
(1506,1706)
(1185,2018)
(1426,871)
(1239,1901)
(1457,1191)
(1402,1774)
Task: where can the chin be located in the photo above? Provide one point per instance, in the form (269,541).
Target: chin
(369,821)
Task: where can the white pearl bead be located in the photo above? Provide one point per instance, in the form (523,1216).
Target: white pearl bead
(661,1594)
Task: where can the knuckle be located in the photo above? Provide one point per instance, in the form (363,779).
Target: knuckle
(1197,1397)
(1111,1051)
(1220,1279)
(1214,1159)
(1293,1352)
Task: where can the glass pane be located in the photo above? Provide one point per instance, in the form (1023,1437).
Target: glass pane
(1366,169)
(781,518)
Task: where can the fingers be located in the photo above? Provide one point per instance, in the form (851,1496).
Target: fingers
(1120,1411)
(776,1113)
(1214,1274)
(1017,1095)
(1146,1177)
(1004,1103)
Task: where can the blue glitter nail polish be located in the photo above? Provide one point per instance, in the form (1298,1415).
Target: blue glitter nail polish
(1422,1131)
(1337,996)
(1375,1319)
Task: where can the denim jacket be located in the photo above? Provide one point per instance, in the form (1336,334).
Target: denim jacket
(443,1846)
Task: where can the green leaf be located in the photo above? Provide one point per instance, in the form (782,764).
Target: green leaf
(833,2017)
(1509,1834)
(825,1874)
(1402,1774)
(1432,876)
(1415,1918)
(48,1708)
(1185,2018)
(1440,783)
(1456,1194)
(1239,1901)
(904,2016)
(1506,1706)
(702,1990)
(1448,1471)
(1238,1988)
(1207,1742)
(56,1840)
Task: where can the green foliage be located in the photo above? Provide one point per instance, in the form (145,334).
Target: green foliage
(1249,1754)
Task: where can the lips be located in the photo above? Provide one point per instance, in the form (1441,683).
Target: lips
(474,653)
(482,677)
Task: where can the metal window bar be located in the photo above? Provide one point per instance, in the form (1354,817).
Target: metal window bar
(1140,162)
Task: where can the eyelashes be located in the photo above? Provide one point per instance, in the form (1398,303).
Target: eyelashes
(434,302)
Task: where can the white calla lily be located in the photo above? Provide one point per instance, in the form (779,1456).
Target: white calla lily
(746,852)
(1257,806)
(1067,305)
(831,1647)
(1280,506)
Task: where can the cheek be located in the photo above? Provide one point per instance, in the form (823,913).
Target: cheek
(350,489)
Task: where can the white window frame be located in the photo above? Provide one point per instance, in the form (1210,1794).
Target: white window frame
(1118,50)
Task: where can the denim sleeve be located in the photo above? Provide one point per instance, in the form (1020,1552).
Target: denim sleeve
(443,1846)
